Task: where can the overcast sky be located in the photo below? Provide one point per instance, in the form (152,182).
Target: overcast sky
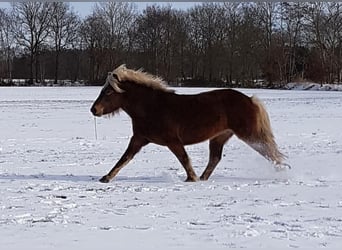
(84,8)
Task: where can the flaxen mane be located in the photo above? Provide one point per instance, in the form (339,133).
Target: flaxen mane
(136,76)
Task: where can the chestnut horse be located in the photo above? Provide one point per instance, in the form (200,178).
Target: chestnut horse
(163,117)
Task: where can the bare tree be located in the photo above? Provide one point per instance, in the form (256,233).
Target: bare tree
(234,23)
(33,20)
(292,17)
(207,33)
(325,33)
(152,40)
(64,25)
(94,33)
(250,49)
(177,63)
(118,18)
(267,14)
(6,44)
(333,40)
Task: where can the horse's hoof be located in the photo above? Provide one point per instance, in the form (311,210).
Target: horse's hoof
(202,178)
(104,179)
(191,179)
(282,166)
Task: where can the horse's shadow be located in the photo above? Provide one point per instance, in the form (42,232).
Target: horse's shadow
(163,178)
(83,178)
(49,177)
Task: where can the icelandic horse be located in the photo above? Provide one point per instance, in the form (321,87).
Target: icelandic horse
(161,116)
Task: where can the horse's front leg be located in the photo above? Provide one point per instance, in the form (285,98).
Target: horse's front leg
(135,144)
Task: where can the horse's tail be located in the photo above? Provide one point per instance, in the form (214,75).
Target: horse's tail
(263,138)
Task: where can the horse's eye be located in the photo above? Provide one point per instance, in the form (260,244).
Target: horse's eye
(108,91)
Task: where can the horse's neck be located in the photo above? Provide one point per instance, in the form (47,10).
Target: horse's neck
(138,102)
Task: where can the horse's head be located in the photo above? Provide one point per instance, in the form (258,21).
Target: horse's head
(110,98)
(122,80)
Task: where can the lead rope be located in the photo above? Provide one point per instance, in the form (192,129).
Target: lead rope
(95,128)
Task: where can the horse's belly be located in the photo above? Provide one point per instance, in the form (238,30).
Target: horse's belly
(193,136)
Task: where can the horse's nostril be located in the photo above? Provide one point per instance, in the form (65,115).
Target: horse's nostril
(93,110)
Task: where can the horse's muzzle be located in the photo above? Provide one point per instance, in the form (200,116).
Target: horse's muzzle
(94,111)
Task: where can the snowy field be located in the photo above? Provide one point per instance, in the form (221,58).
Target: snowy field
(50,163)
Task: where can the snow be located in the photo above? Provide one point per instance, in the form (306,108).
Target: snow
(50,163)
(313,86)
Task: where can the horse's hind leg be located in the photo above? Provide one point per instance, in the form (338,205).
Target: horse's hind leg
(215,153)
(182,156)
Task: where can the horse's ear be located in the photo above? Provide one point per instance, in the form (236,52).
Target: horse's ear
(114,80)
(116,77)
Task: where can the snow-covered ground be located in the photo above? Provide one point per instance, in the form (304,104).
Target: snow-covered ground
(313,86)
(50,163)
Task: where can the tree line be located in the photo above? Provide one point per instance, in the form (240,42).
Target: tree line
(217,44)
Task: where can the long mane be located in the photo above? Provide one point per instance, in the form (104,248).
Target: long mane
(140,77)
